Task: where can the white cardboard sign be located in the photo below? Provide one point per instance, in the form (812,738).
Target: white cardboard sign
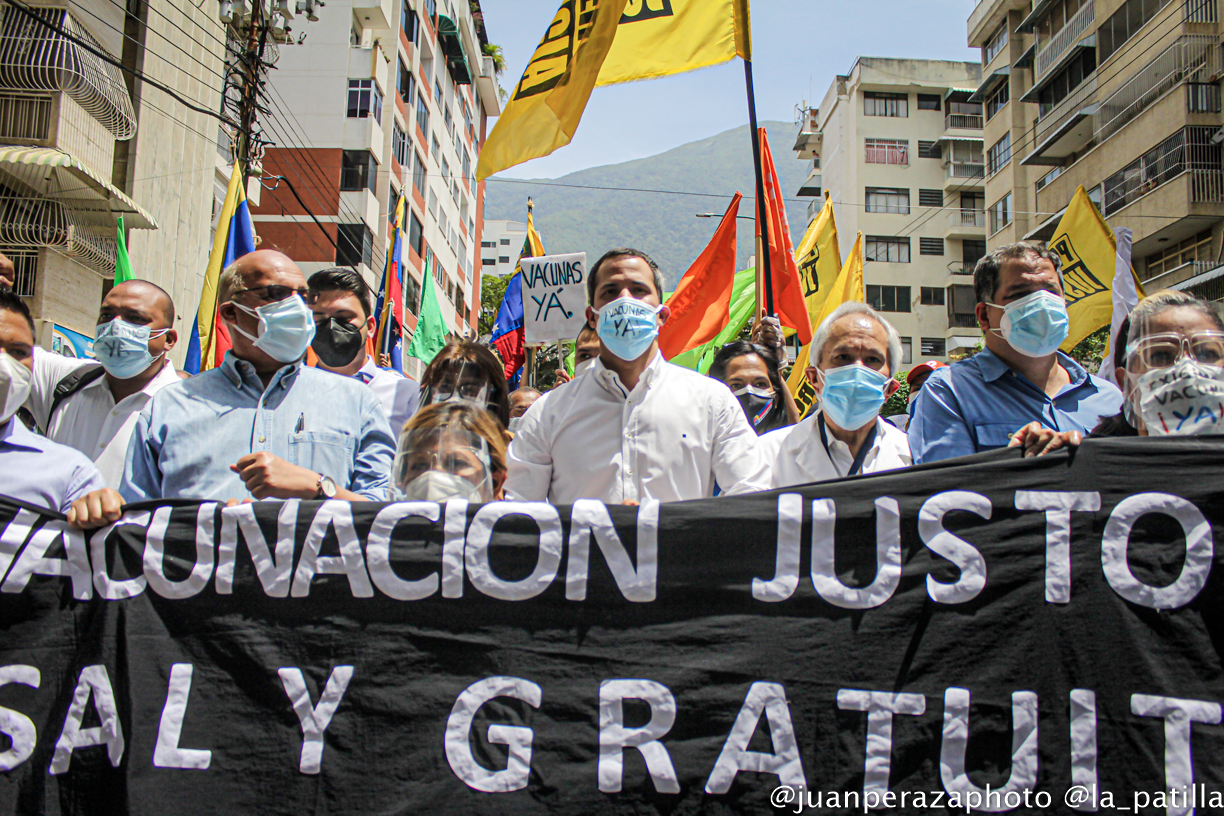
(554,297)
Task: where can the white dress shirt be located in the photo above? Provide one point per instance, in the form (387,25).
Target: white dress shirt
(399,395)
(797,454)
(669,439)
(93,423)
(49,369)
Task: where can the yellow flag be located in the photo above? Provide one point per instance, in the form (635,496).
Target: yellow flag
(544,110)
(1089,256)
(819,260)
(847,287)
(660,37)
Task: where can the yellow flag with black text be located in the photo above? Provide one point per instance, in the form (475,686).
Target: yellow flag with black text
(661,37)
(547,104)
(847,287)
(819,259)
(1088,250)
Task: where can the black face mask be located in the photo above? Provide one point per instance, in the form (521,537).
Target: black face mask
(337,342)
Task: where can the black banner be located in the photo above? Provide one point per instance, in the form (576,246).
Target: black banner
(991,633)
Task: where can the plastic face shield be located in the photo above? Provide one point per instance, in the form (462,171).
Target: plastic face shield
(458,381)
(1174,379)
(436,464)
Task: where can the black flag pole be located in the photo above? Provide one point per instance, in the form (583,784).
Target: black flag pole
(763,262)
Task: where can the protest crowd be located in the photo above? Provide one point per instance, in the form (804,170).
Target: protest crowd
(84,438)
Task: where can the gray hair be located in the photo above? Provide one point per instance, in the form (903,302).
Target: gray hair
(229,282)
(986,273)
(854,307)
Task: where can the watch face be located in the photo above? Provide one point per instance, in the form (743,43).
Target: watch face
(327,487)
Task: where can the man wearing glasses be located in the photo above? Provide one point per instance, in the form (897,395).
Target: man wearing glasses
(262,425)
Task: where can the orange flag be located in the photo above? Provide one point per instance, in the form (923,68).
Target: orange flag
(701,305)
(788,297)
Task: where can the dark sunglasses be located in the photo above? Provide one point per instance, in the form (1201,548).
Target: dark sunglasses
(274,292)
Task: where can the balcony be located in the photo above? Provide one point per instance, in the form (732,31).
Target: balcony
(962,121)
(1189,150)
(966,224)
(807,140)
(1048,55)
(962,175)
(962,321)
(1206,285)
(33,222)
(1065,128)
(488,88)
(1178,275)
(1194,58)
(811,185)
(55,174)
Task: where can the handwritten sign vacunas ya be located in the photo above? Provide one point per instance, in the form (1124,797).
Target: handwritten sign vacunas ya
(554,297)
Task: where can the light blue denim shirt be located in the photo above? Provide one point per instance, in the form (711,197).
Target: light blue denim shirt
(192,431)
(973,405)
(44,473)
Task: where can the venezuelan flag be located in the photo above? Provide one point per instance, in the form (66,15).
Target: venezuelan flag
(508,333)
(235,237)
(390,306)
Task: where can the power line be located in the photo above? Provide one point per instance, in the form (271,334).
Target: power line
(138,44)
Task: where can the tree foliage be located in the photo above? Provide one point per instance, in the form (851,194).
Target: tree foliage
(492,288)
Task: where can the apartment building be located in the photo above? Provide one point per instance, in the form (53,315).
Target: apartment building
(500,245)
(1122,97)
(384,99)
(82,142)
(898,145)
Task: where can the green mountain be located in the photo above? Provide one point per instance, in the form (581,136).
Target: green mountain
(582,219)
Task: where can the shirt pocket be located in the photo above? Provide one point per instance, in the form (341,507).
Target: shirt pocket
(328,453)
(995,434)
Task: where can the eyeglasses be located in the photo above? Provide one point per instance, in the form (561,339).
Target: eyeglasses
(274,293)
(1164,350)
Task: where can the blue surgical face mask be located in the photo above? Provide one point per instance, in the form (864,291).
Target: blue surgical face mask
(286,328)
(1036,324)
(852,395)
(123,348)
(628,326)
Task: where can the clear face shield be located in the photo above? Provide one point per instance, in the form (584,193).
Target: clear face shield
(436,464)
(1174,372)
(458,381)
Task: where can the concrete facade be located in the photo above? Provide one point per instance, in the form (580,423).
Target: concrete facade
(898,146)
(500,245)
(1123,98)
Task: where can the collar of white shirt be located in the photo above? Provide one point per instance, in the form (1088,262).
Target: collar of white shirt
(801,449)
(166,376)
(610,381)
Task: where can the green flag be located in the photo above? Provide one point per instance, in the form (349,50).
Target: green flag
(430,334)
(743,301)
(123,264)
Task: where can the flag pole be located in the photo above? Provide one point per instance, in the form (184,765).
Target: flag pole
(763,259)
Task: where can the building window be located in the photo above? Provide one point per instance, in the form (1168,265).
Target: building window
(438,92)
(1124,23)
(930,198)
(888,200)
(431,10)
(467,164)
(422,114)
(997,100)
(972,251)
(503,259)
(445,171)
(436,147)
(488,262)
(929,150)
(364,99)
(1081,67)
(999,154)
(1194,248)
(406,83)
(889,298)
(358,170)
(995,44)
(931,296)
(930,246)
(354,245)
(1001,213)
(934,347)
(25,263)
(907,350)
(393,197)
(887,151)
(399,145)
(505,242)
(410,23)
(929,102)
(418,175)
(1202,97)
(415,234)
(412,294)
(887,250)
(1189,149)
(885,104)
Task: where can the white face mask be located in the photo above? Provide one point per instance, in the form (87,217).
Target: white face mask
(438,486)
(14,386)
(1186,399)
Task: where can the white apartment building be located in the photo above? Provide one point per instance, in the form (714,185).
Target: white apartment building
(384,99)
(500,245)
(82,143)
(898,145)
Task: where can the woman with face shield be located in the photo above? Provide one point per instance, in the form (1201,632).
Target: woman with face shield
(466,372)
(751,372)
(450,450)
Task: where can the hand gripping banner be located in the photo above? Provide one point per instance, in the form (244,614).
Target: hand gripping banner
(992,634)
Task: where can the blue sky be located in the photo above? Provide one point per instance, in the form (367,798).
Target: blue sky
(798,47)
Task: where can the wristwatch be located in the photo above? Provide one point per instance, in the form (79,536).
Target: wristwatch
(326,488)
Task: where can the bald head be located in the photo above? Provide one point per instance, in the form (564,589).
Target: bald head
(263,267)
(150,297)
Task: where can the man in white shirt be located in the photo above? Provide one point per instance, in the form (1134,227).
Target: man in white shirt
(341,304)
(631,427)
(133,339)
(855,351)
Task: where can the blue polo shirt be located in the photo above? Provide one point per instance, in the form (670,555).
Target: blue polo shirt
(973,405)
(36,470)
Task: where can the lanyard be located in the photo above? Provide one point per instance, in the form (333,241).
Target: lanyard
(857,464)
